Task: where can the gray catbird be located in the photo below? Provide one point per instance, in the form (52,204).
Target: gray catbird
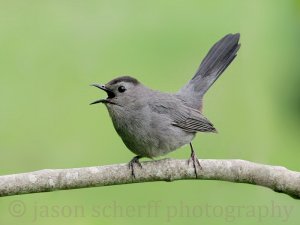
(152,123)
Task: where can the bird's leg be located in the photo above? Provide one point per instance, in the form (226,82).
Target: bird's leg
(135,160)
(194,159)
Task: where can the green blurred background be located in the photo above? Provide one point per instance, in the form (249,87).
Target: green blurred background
(50,51)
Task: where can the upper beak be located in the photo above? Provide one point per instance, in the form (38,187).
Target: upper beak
(109,92)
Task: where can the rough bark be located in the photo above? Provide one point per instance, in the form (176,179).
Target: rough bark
(276,178)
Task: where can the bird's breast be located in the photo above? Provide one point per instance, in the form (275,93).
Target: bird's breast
(148,134)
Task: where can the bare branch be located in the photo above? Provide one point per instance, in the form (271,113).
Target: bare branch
(276,178)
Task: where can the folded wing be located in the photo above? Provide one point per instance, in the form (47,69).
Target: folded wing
(184,117)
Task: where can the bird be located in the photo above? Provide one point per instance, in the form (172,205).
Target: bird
(152,123)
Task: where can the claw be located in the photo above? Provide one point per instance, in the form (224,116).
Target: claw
(135,160)
(194,160)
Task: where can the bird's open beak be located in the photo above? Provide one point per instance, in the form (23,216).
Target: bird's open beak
(109,92)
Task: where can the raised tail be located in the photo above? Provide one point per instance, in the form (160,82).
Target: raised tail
(213,65)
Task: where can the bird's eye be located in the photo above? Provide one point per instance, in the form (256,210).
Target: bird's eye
(121,89)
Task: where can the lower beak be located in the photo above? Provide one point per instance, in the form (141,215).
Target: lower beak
(109,92)
(98,101)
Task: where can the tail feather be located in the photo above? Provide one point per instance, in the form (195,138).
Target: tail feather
(213,65)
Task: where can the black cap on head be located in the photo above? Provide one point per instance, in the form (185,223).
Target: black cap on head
(123,79)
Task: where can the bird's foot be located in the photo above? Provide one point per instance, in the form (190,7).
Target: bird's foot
(135,160)
(193,159)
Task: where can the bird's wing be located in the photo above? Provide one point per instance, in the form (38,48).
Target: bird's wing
(195,123)
(184,117)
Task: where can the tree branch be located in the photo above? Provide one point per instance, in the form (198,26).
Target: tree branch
(276,178)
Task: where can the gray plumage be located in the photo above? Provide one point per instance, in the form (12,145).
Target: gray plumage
(152,123)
